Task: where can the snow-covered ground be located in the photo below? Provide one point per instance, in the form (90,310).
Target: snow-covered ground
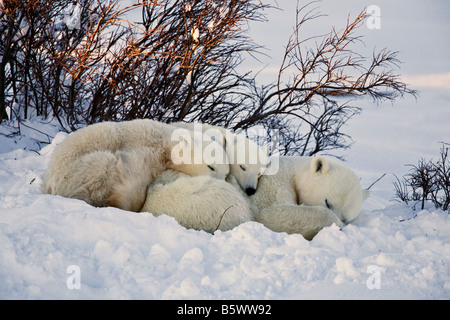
(50,244)
(57,248)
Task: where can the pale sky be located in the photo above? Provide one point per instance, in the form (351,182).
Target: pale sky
(418,29)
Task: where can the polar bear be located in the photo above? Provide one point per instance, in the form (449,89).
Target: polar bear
(200,203)
(248,160)
(304,196)
(313,181)
(307,194)
(111,164)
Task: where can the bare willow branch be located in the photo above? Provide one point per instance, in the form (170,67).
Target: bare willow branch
(86,61)
(325,68)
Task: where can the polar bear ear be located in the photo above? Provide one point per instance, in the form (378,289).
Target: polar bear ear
(319,165)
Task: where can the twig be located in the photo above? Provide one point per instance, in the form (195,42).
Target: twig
(376,181)
(221,217)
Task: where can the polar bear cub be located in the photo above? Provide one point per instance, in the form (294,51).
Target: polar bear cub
(200,203)
(248,160)
(313,182)
(307,194)
(304,196)
(112,164)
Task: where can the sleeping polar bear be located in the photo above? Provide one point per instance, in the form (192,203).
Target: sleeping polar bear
(305,195)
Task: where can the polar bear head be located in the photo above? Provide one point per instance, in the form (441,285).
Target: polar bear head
(248,161)
(331,184)
(198,156)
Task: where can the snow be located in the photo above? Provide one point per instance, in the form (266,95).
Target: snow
(389,252)
(49,245)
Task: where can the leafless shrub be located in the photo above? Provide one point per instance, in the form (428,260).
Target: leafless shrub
(179,63)
(55,53)
(427,181)
(307,109)
(441,196)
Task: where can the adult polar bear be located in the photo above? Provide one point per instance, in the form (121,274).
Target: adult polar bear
(112,163)
(305,195)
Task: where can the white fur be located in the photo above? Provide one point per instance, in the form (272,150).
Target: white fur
(292,200)
(112,164)
(295,198)
(311,181)
(248,161)
(308,194)
(201,203)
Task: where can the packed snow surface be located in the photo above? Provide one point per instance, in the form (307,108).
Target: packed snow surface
(58,248)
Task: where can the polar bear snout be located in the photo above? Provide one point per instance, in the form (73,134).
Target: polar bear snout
(250,191)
